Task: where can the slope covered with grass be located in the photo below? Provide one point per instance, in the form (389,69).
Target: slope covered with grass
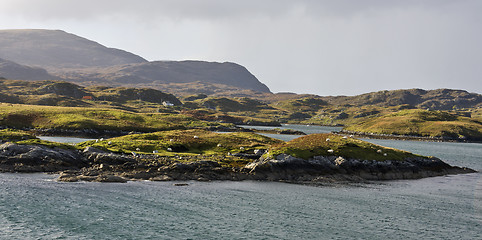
(422,123)
(30,116)
(193,141)
(335,145)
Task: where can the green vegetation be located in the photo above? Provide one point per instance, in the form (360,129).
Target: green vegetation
(423,123)
(194,141)
(147,110)
(15,135)
(27,138)
(335,145)
(58,93)
(30,116)
(50,144)
(307,104)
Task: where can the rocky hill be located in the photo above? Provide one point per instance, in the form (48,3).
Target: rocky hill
(439,99)
(59,93)
(438,125)
(12,70)
(158,73)
(54,49)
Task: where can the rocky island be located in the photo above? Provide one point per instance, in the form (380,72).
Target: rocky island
(203,155)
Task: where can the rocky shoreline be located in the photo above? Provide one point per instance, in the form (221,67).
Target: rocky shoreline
(95,165)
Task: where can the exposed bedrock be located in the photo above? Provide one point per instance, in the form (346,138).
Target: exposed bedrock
(96,165)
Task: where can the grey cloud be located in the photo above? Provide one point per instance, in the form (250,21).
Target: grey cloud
(201,9)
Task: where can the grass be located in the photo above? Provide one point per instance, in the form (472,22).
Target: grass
(317,145)
(33,116)
(193,141)
(423,123)
(26,138)
(15,135)
(47,144)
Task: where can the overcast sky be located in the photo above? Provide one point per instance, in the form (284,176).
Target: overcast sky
(338,47)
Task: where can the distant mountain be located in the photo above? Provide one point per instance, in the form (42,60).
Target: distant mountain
(168,72)
(12,70)
(80,60)
(439,99)
(58,49)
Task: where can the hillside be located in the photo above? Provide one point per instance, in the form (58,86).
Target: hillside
(422,123)
(91,121)
(53,49)
(158,74)
(439,99)
(59,93)
(12,70)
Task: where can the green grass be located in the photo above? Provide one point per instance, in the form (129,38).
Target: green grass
(15,135)
(33,116)
(184,141)
(317,145)
(26,138)
(424,123)
(47,144)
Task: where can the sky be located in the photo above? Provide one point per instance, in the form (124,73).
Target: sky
(323,47)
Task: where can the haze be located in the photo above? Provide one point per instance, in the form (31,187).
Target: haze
(308,46)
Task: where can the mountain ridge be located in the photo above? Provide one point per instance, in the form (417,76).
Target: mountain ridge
(77,59)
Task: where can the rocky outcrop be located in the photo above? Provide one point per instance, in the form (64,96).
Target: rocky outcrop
(287,168)
(37,158)
(100,166)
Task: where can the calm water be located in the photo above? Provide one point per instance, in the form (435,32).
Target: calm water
(64,139)
(34,206)
(308,129)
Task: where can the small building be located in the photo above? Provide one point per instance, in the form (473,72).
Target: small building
(87,98)
(167,104)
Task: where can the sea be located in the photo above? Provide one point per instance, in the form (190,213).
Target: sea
(35,206)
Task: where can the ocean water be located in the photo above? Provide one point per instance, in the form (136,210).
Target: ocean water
(35,206)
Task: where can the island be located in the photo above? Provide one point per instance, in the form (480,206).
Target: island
(202,155)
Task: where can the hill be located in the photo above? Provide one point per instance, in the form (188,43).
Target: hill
(91,121)
(12,70)
(59,93)
(53,49)
(422,123)
(439,99)
(160,73)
